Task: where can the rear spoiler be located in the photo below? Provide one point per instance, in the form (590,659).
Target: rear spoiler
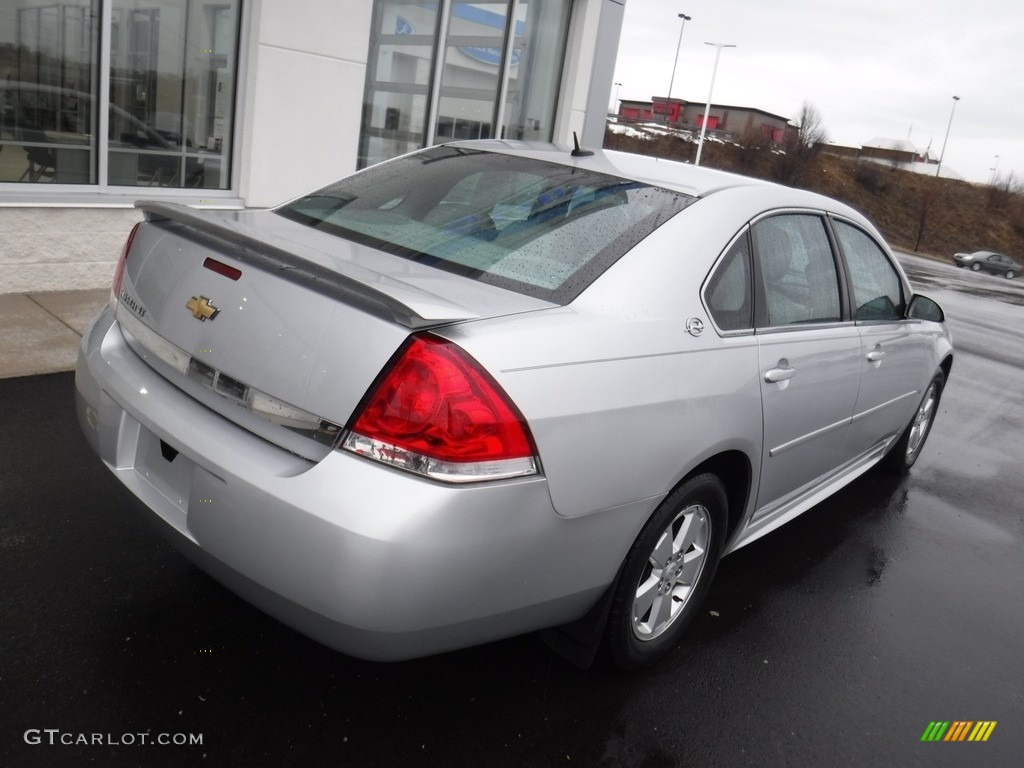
(406,305)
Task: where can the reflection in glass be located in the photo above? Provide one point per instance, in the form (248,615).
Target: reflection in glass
(477,80)
(536,69)
(472,64)
(397,79)
(48,64)
(172,80)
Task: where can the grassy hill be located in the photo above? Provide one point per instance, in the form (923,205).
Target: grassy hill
(919,213)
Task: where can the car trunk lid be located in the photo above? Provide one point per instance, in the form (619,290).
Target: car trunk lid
(291,324)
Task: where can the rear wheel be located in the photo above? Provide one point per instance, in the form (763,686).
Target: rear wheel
(904,453)
(1009,274)
(667,573)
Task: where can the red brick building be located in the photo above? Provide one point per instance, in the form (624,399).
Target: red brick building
(722,119)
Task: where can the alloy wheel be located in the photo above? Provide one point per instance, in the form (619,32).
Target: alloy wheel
(922,420)
(673,570)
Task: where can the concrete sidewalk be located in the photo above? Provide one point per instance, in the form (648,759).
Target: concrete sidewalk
(40,332)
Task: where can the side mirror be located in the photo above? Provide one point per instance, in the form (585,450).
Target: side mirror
(923,308)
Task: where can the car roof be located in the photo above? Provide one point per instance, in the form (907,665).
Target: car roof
(670,174)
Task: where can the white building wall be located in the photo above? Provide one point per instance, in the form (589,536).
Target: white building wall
(588,72)
(579,62)
(304,96)
(61,248)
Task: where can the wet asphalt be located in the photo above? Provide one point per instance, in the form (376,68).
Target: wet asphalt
(835,641)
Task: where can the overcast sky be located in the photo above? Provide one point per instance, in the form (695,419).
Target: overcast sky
(871,68)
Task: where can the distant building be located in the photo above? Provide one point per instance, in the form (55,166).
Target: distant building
(897,153)
(639,111)
(723,120)
(840,150)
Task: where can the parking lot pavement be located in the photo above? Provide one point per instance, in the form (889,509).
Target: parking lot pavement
(837,640)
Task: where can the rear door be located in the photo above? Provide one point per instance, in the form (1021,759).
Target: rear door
(809,357)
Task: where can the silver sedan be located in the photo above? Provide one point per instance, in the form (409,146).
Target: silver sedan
(990,261)
(491,388)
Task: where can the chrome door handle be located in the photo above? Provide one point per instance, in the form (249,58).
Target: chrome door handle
(876,355)
(783,372)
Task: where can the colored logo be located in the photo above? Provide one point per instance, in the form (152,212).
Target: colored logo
(403,26)
(202,308)
(958,730)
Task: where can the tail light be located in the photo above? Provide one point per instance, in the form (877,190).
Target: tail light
(122,261)
(435,412)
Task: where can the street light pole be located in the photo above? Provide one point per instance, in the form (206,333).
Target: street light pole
(707,108)
(679,45)
(942,154)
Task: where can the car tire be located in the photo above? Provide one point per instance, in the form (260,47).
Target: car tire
(905,452)
(667,573)
(975,267)
(1009,274)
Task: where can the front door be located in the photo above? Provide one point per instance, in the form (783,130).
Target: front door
(894,357)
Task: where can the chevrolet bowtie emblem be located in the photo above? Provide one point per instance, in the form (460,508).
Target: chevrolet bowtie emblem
(201,308)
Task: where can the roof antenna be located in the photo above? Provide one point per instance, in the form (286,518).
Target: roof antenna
(577,152)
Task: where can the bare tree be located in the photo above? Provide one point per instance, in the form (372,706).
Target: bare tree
(800,147)
(925,202)
(1002,190)
(812,131)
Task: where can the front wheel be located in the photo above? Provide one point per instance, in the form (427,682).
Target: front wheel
(904,453)
(667,573)
(976,266)
(1009,274)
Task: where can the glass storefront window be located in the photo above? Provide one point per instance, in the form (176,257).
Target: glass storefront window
(170,97)
(472,65)
(421,90)
(172,80)
(535,70)
(48,87)
(398,77)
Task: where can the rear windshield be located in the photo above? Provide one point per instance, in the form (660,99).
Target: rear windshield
(539,228)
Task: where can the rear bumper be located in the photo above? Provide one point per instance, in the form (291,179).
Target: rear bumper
(368,560)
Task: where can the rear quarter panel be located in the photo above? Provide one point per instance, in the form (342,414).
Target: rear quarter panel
(621,400)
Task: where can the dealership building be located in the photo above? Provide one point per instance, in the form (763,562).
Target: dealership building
(248,103)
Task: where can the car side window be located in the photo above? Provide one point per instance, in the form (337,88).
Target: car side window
(877,289)
(800,280)
(728,294)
